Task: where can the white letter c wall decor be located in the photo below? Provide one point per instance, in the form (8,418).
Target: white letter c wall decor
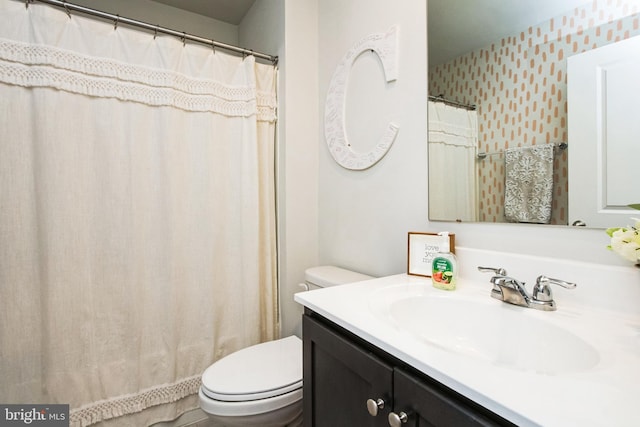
(384,45)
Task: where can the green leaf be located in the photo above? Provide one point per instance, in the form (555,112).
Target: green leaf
(610,231)
(635,206)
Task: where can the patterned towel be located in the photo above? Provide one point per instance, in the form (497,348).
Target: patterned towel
(528,184)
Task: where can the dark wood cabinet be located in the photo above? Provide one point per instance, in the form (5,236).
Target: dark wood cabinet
(342,372)
(339,378)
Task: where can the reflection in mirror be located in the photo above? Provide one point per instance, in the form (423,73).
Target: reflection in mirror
(603,91)
(509,60)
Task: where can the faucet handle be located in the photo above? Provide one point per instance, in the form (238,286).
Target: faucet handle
(498,271)
(542,290)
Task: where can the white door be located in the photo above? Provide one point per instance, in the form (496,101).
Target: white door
(604,134)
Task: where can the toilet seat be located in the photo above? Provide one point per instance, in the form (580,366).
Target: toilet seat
(261,371)
(250,407)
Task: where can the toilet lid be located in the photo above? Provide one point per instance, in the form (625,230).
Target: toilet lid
(256,372)
(327,275)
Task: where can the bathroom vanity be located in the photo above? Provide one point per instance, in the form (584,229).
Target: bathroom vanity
(397,346)
(353,383)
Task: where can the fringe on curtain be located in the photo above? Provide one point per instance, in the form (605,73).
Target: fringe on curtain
(46,66)
(132,403)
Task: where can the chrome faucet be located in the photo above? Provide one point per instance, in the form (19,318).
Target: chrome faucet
(513,291)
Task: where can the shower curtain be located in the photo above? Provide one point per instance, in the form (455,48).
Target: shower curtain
(137,214)
(453,142)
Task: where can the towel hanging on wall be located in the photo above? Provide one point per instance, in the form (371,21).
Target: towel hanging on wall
(528,184)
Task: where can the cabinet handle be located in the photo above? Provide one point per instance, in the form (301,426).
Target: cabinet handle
(374,405)
(396,420)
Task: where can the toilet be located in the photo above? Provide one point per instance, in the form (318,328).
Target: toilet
(261,385)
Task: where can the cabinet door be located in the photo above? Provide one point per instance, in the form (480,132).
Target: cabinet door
(339,378)
(428,405)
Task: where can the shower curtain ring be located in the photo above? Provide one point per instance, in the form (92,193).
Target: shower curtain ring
(213,46)
(115,23)
(184,39)
(26,4)
(66,8)
(155,32)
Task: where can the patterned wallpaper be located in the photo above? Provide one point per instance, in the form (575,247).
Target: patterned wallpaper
(519,85)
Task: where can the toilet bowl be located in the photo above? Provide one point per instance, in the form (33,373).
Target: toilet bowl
(261,385)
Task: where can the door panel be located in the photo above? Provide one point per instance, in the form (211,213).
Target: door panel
(604,133)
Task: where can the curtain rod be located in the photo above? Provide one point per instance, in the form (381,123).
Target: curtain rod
(155,28)
(441,98)
(559,145)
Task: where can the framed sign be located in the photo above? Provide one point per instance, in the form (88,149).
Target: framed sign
(422,248)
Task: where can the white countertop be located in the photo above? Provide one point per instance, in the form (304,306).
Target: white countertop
(607,394)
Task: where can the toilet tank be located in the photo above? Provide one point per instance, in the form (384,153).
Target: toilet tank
(329,275)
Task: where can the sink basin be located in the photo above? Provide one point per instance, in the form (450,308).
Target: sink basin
(493,332)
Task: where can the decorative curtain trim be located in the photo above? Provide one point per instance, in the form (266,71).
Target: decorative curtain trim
(45,66)
(30,54)
(132,403)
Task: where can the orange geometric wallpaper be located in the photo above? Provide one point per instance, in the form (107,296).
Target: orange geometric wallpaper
(519,86)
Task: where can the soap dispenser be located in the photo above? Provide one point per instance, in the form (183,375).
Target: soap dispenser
(444,268)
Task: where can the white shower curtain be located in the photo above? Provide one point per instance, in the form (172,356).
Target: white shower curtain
(453,142)
(137,215)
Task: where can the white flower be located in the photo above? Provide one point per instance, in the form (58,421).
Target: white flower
(626,241)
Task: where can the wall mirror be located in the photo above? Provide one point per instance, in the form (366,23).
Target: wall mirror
(509,60)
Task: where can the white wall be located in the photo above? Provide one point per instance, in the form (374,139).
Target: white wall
(574,243)
(364,216)
(289,29)
(298,158)
(166,16)
(263,28)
